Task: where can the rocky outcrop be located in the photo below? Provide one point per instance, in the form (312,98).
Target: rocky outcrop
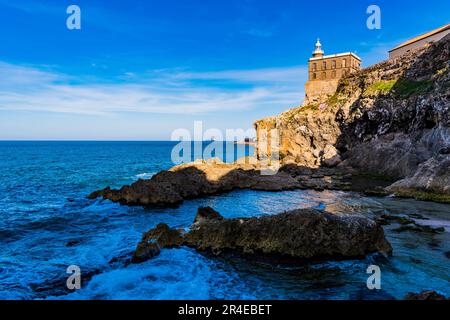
(152,242)
(300,234)
(425,295)
(197,179)
(431,181)
(203,178)
(390,119)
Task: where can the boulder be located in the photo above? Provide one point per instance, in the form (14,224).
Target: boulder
(299,234)
(431,181)
(205,214)
(425,295)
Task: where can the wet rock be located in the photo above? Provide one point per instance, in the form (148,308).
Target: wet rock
(304,234)
(154,240)
(205,214)
(434,244)
(300,234)
(203,178)
(419,228)
(386,219)
(417,216)
(376,192)
(197,179)
(411,245)
(425,295)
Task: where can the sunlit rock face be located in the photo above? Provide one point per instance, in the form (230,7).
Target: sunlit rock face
(305,234)
(389,119)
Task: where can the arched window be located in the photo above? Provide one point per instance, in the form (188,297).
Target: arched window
(333,74)
(324,75)
(314,66)
(314,76)
(333,64)
(344,63)
(324,65)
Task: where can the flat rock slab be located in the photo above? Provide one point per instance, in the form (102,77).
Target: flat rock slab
(195,180)
(203,178)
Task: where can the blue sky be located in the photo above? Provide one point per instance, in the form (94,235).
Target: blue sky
(137,70)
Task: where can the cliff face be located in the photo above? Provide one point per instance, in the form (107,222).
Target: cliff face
(391,119)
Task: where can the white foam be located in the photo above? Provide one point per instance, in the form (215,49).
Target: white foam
(145,175)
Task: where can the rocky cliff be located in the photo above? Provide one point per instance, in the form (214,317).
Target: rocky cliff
(390,119)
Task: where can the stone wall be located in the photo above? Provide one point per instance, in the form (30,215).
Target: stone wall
(318,91)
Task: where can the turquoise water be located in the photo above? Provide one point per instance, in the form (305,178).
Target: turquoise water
(47,224)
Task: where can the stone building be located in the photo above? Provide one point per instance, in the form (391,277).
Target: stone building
(325,71)
(419,41)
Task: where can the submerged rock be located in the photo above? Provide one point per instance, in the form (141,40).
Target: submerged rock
(205,214)
(420,228)
(386,219)
(425,295)
(300,234)
(152,242)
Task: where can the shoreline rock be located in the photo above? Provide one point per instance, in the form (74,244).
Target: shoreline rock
(196,179)
(303,234)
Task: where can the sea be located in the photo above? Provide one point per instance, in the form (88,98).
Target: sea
(47,225)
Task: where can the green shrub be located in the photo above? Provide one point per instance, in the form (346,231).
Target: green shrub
(401,88)
(406,88)
(383,87)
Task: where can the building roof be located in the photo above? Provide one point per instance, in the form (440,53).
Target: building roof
(423,36)
(336,56)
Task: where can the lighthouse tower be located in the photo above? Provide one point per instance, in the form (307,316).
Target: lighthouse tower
(324,73)
(318,52)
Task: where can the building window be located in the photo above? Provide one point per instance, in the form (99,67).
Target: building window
(333,74)
(314,66)
(324,75)
(344,63)
(333,64)
(314,76)
(324,65)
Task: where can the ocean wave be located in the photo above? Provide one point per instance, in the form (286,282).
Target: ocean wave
(145,175)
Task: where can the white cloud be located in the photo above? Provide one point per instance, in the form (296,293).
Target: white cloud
(164,91)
